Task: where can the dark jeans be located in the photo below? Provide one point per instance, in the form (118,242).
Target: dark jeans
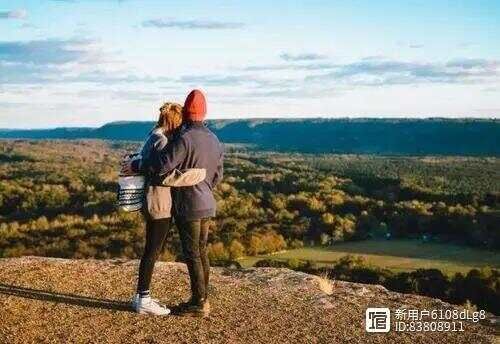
(194,236)
(156,232)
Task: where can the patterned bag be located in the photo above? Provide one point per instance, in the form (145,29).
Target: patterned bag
(131,192)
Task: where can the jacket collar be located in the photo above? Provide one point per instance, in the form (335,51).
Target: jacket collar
(195,124)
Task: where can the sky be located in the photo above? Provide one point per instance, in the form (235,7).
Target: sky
(89,62)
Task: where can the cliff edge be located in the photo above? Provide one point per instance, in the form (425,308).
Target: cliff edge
(49,300)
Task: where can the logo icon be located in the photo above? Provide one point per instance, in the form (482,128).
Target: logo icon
(378,320)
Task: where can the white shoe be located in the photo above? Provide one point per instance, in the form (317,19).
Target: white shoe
(147,305)
(136,298)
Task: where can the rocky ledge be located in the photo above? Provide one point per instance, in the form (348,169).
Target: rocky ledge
(50,300)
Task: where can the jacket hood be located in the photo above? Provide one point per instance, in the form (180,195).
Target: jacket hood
(195,106)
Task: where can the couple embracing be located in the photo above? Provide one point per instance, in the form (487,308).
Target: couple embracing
(182,161)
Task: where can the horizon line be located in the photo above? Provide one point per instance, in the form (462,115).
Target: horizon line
(265,118)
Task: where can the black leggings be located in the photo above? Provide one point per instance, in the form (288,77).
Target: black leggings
(156,232)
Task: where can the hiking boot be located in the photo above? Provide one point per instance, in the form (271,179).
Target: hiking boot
(183,306)
(196,310)
(147,305)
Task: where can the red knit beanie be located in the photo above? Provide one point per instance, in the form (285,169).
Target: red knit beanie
(195,106)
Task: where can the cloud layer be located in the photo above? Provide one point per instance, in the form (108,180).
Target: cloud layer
(80,67)
(394,72)
(302,57)
(80,61)
(195,24)
(15,14)
(49,60)
(46,51)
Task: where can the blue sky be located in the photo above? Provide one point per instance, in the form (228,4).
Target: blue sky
(88,62)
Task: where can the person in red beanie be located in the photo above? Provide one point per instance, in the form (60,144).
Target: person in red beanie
(195,107)
(196,146)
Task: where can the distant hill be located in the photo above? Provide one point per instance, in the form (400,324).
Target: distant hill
(435,136)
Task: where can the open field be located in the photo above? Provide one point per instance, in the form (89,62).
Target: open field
(396,255)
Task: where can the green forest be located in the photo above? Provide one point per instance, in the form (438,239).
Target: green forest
(58,198)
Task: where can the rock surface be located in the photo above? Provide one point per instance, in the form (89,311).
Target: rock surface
(49,300)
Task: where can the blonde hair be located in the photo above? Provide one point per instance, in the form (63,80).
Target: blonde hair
(170,117)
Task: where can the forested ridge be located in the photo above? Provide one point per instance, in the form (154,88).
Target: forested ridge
(400,136)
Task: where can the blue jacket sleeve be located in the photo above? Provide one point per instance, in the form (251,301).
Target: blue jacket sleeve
(219,173)
(164,160)
(155,141)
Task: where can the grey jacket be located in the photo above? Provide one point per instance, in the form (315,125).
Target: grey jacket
(155,140)
(194,147)
(158,198)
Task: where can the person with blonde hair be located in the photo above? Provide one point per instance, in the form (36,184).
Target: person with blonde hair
(155,201)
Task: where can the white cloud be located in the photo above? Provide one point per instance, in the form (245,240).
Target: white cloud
(194,24)
(14,14)
(302,57)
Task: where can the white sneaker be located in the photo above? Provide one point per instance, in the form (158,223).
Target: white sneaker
(136,298)
(147,305)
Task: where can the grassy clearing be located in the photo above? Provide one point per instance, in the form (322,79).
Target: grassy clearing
(396,255)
